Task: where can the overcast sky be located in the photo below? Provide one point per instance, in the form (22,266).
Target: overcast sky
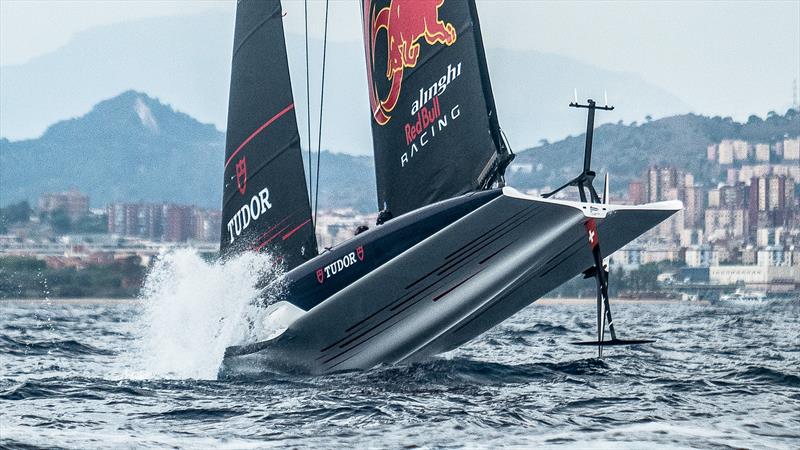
(722,58)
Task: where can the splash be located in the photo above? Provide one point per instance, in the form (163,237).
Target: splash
(195,309)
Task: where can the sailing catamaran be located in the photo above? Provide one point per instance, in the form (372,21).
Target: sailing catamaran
(456,251)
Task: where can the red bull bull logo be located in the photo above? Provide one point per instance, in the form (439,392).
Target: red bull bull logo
(406,23)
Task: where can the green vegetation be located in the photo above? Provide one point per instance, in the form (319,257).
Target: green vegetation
(632,283)
(14,214)
(62,224)
(60,221)
(91,224)
(22,277)
(644,279)
(625,151)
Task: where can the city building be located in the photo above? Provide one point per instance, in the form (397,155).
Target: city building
(177,223)
(775,256)
(791,149)
(762,152)
(784,278)
(75,204)
(164,222)
(711,152)
(636,193)
(726,223)
(771,202)
(698,256)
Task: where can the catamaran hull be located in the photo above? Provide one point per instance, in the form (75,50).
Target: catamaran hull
(451,286)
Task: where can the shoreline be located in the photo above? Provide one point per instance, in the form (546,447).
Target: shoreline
(592,301)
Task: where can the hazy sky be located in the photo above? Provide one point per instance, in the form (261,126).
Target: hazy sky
(722,58)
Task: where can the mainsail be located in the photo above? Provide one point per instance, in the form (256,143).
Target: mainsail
(265,203)
(434,125)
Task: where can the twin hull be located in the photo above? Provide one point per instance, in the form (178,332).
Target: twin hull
(495,253)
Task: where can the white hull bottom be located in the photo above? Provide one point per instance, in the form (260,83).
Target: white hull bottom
(452,286)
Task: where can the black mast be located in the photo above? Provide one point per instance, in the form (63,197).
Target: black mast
(497,170)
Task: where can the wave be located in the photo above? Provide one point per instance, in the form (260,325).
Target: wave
(766,375)
(541,328)
(77,387)
(440,371)
(18,347)
(197,414)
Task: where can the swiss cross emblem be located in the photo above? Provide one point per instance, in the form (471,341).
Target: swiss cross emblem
(241,175)
(360,252)
(320,275)
(591,231)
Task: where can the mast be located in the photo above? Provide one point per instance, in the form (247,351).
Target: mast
(434,135)
(504,156)
(265,203)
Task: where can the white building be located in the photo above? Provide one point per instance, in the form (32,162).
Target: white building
(698,256)
(755,276)
(774,256)
(791,149)
(770,236)
(762,152)
(628,257)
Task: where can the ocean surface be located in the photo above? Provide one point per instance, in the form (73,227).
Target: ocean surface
(105,374)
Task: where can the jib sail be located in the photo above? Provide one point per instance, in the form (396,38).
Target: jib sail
(265,203)
(434,126)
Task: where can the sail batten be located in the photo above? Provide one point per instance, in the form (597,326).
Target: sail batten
(265,202)
(434,135)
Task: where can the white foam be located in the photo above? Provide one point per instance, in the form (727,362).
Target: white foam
(193,310)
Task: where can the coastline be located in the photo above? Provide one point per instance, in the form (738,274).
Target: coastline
(592,301)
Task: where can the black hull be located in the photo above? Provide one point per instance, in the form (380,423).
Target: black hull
(449,286)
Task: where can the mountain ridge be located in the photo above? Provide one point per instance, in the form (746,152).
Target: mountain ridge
(171,59)
(133,147)
(128,148)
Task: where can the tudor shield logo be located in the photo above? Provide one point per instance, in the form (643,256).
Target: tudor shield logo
(241,175)
(404,23)
(360,253)
(320,275)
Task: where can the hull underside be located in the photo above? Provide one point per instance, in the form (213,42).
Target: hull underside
(451,287)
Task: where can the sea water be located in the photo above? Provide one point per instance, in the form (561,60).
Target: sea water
(111,374)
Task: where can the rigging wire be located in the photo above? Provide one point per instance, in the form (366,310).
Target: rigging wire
(308,105)
(321,103)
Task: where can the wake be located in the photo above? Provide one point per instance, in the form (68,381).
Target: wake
(192,310)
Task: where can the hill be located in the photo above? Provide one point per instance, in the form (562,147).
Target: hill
(128,148)
(627,150)
(134,148)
